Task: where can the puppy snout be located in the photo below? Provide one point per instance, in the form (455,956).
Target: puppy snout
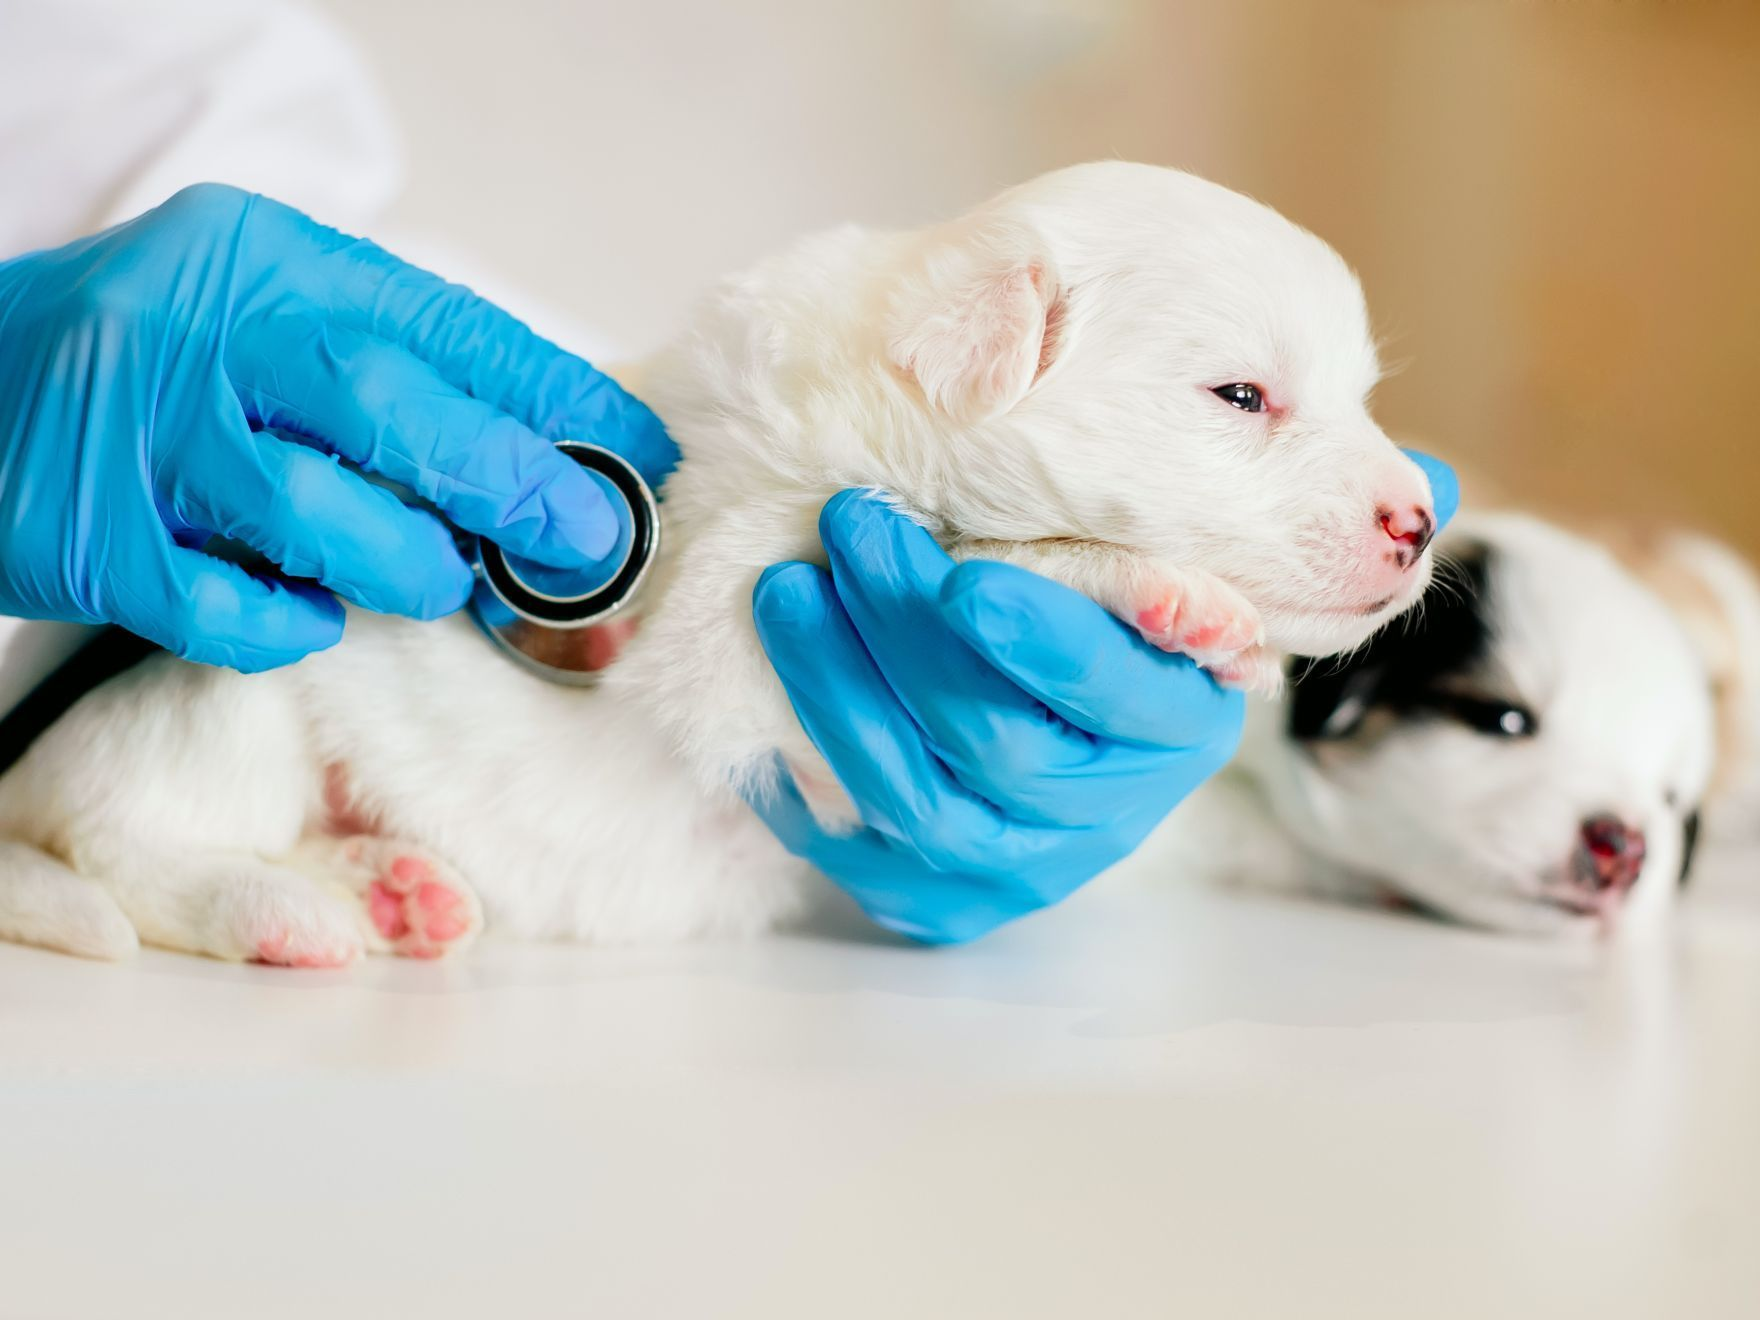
(1610,854)
(1410,528)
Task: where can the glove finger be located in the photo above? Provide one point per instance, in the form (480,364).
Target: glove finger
(1445,487)
(1086,665)
(895,890)
(393,415)
(876,750)
(213,612)
(316,519)
(474,346)
(999,741)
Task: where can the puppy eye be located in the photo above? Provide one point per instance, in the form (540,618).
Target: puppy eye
(1248,398)
(1497,719)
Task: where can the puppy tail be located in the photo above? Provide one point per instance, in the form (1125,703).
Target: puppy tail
(44,902)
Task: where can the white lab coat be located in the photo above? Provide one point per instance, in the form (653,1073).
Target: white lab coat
(107,107)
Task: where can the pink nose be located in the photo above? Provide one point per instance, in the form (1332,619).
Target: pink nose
(1410,529)
(1610,853)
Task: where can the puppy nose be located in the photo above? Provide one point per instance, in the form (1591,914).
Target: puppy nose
(1410,529)
(1610,853)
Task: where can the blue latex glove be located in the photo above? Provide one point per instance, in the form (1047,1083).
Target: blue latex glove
(1004,738)
(198,370)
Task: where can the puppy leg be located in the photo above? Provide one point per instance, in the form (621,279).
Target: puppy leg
(237,907)
(414,904)
(1176,609)
(44,902)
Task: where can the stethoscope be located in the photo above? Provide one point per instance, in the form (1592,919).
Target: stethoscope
(561,625)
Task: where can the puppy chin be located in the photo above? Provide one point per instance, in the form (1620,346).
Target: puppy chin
(1330,632)
(1483,900)
(1324,630)
(1543,904)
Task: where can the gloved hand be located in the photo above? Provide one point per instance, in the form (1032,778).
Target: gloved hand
(198,370)
(1004,738)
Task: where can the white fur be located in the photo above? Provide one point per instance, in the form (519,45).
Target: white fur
(1480,828)
(1039,372)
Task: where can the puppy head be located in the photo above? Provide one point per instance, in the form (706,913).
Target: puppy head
(1526,751)
(1164,364)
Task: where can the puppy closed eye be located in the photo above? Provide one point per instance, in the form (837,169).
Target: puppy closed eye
(1248,398)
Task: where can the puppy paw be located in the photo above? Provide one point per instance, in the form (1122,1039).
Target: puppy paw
(1205,618)
(419,906)
(414,905)
(1174,608)
(1194,613)
(289,924)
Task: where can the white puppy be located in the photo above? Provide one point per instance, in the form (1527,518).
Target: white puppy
(1123,376)
(1530,750)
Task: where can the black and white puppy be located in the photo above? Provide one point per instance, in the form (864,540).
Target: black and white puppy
(1529,751)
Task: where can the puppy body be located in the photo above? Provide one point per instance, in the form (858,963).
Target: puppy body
(1037,381)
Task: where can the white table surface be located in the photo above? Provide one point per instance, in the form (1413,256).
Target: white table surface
(1162,1100)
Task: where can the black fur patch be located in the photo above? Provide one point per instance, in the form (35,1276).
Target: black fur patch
(1398,669)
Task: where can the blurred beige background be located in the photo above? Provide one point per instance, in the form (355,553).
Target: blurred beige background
(1554,206)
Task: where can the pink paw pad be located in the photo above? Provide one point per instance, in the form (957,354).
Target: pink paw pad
(278,948)
(385,907)
(1156,621)
(1219,634)
(1209,637)
(416,911)
(1177,626)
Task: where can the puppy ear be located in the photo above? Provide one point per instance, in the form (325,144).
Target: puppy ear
(975,323)
(1716,596)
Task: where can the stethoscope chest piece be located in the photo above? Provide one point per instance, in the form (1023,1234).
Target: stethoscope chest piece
(563,625)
